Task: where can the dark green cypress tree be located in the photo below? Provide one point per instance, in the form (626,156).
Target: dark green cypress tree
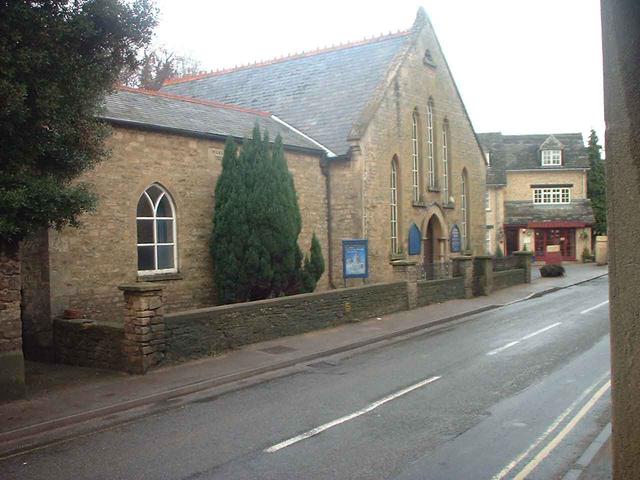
(228,244)
(257,222)
(596,185)
(313,266)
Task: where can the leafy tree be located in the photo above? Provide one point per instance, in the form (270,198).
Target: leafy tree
(596,184)
(254,243)
(157,66)
(58,60)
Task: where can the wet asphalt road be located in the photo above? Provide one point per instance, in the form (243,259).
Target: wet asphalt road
(516,392)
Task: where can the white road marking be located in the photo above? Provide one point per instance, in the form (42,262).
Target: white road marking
(563,433)
(346,418)
(526,337)
(505,471)
(594,307)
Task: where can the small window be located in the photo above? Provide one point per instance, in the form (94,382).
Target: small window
(430,146)
(551,157)
(487,157)
(393,202)
(415,155)
(156,226)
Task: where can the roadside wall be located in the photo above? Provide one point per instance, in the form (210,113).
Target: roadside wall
(508,278)
(208,331)
(438,291)
(89,343)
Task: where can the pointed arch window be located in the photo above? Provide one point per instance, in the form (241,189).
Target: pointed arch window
(430,146)
(415,155)
(445,163)
(464,210)
(156,232)
(394,205)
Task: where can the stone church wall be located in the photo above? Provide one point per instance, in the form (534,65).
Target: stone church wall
(88,264)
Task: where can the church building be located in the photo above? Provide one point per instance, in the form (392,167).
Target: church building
(376,136)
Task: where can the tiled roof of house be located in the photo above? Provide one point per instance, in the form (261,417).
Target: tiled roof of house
(522,152)
(321,93)
(523,212)
(165,111)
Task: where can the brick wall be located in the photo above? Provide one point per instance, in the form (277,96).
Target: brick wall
(89,343)
(438,291)
(508,278)
(208,331)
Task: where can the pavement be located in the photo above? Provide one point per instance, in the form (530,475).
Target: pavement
(63,399)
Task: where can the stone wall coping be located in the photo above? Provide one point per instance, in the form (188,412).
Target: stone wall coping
(507,272)
(89,323)
(484,257)
(601,238)
(523,253)
(462,258)
(403,262)
(291,298)
(140,287)
(440,281)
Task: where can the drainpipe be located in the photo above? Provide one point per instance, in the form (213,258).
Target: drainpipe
(324,168)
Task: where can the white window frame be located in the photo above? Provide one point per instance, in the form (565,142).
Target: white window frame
(415,155)
(445,165)
(464,209)
(430,152)
(552,196)
(156,244)
(394,207)
(551,158)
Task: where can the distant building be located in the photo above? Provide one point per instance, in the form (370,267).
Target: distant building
(537,194)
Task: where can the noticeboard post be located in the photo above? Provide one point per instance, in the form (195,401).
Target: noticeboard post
(355,258)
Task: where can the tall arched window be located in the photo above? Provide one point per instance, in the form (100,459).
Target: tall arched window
(415,155)
(156,224)
(445,163)
(394,205)
(430,146)
(464,207)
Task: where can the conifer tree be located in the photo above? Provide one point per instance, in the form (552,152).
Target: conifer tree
(254,244)
(313,266)
(596,185)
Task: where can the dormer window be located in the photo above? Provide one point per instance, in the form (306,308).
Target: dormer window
(551,157)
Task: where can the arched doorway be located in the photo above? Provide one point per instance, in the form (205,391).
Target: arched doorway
(433,235)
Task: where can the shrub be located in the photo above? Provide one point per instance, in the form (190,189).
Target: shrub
(499,253)
(552,270)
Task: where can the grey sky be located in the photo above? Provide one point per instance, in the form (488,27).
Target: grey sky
(522,66)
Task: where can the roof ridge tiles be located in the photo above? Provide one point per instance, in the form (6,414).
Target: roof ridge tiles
(198,101)
(285,58)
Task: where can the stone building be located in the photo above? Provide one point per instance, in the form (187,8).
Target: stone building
(375,133)
(537,194)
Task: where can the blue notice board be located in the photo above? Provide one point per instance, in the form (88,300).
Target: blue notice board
(456,241)
(355,258)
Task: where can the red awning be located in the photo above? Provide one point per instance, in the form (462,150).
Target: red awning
(558,224)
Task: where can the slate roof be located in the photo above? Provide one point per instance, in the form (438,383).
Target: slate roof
(522,152)
(320,93)
(158,110)
(522,212)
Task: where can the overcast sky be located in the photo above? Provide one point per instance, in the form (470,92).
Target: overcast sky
(522,66)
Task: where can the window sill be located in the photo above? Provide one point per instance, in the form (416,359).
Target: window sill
(159,277)
(433,189)
(419,204)
(394,257)
(449,206)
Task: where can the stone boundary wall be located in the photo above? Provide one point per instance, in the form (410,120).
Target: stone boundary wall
(89,343)
(208,331)
(508,278)
(438,291)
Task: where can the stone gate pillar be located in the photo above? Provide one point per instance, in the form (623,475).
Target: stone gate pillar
(524,262)
(144,335)
(11,358)
(463,266)
(483,275)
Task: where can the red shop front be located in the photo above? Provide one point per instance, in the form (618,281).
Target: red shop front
(555,233)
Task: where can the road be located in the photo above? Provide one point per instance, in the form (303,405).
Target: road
(517,392)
